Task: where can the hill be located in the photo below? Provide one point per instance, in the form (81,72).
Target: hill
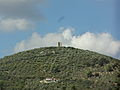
(59,68)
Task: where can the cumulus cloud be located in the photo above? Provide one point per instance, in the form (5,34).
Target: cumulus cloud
(50,39)
(18,14)
(102,42)
(15,24)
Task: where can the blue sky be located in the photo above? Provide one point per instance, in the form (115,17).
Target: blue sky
(84,15)
(95,16)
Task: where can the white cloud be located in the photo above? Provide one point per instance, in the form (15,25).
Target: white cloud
(102,42)
(18,14)
(15,24)
(36,41)
(67,34)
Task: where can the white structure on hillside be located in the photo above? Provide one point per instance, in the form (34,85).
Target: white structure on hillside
(49,80)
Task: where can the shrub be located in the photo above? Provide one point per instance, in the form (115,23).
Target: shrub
(108,68)
(89,74)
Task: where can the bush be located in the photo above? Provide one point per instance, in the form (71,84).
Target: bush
(108,68)
(89,74)
(102,61)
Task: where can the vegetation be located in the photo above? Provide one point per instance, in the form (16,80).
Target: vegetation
(76,69)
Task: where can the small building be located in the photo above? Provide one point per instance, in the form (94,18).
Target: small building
(49,80)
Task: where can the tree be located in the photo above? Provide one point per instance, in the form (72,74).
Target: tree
(73,88)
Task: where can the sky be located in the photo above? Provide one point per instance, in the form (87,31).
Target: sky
(85,24)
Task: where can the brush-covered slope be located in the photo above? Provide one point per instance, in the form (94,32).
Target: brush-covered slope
(75,69)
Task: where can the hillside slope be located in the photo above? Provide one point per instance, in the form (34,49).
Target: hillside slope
(73,69)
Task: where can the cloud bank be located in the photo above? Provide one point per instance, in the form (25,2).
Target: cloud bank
(15,13)
(27,9)
(102,42)
(15,24)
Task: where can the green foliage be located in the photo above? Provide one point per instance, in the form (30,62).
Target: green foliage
(76,69)
(108,68)
(89,74)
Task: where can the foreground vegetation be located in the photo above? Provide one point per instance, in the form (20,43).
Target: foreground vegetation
(76,69)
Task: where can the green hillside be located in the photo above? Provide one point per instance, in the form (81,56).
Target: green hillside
(73,69)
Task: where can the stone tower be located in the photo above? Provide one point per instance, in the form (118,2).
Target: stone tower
(59,44)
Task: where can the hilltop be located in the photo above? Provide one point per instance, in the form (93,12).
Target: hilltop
(70,69)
